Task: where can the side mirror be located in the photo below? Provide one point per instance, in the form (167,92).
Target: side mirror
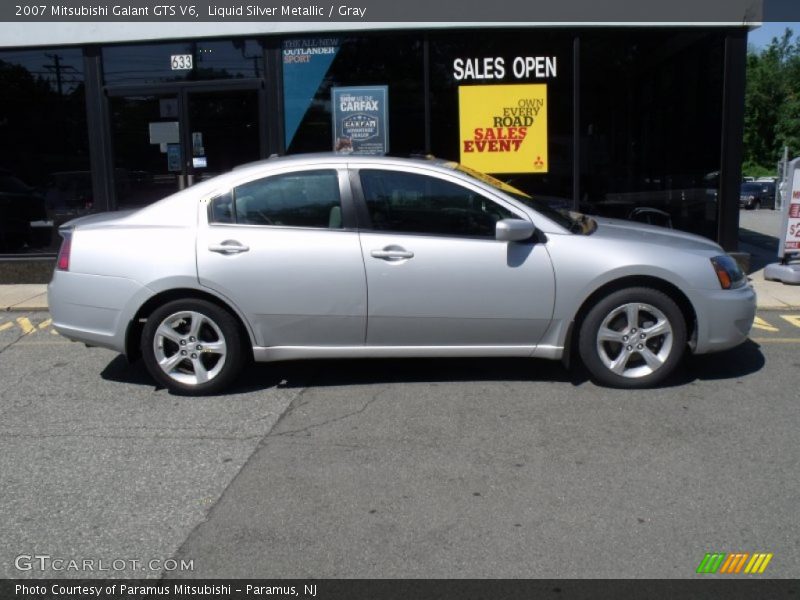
(514,230)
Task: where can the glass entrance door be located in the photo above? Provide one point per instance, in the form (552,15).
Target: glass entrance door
(223,132)
(166,141)
(145,133)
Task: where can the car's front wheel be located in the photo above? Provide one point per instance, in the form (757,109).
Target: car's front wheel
(192,347)
(632,338)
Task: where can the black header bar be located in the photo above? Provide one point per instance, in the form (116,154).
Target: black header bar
(371,11)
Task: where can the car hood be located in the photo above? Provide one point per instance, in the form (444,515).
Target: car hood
(618,229)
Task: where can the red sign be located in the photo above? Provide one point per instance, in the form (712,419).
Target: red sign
(791,235)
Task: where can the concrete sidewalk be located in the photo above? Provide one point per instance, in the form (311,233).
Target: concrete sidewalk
(772,295)
(23,297)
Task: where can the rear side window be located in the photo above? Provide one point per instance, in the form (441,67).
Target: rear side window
(299,199)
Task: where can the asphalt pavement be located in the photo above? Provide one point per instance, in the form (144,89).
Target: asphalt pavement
(396,468)
(97,464)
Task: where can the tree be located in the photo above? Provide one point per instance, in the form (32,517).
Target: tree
(772,102)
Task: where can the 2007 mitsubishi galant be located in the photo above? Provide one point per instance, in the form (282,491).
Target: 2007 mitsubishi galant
(344,256)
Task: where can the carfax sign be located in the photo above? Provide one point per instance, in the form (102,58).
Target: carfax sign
(360,120)
(504,127)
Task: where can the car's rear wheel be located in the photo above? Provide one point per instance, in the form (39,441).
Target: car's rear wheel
(192,347)
(633,338)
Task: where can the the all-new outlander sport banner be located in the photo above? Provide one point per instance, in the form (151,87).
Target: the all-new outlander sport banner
(504,127)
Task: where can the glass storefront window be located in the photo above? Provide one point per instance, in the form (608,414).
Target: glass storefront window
(183,61)
(486,58)
(312,66)
(650,125)
(44,155)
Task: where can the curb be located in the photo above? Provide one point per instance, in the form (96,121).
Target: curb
(31,308)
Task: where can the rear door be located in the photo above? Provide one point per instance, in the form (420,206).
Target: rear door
(284,249)
(436,275)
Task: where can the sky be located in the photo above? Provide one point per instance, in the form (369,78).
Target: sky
(762,36)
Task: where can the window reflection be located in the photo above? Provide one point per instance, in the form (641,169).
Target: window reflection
(44,135)
(650,126)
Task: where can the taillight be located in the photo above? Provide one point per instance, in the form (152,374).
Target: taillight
(63,254)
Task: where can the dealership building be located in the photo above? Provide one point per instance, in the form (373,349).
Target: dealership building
(630,121)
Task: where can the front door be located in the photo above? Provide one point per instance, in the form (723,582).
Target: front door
(437,276)
(175,136)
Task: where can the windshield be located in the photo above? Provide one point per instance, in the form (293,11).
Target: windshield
(572,221)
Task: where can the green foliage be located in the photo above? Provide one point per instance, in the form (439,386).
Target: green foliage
(750,169)
(772,105)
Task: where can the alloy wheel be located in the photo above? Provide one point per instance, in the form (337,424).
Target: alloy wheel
(634,340)
(190,348)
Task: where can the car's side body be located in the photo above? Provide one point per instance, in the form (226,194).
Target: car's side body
(345,292)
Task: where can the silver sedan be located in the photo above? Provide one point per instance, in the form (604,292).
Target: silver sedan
(343,256)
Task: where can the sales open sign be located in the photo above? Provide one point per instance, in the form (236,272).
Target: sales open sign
(504,127)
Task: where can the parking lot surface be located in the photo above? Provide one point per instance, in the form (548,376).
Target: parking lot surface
(397,468)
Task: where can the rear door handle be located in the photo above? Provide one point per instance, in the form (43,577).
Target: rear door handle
(229,247)
(391,254)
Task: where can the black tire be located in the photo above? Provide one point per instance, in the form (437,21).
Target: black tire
(633,356)
(197,370)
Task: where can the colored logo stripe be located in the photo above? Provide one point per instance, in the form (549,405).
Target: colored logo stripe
(758,564)
(711,563)
(734,563)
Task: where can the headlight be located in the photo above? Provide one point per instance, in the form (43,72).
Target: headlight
(728,272)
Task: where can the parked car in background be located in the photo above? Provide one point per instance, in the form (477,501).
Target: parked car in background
(757,194)
(331,256)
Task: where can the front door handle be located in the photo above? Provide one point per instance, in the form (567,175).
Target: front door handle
(391,254)
(229,247)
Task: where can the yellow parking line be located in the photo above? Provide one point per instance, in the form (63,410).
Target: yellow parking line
(5,326)
(792,319)
(776,340)
(759,323)
(46,323)
(25,324)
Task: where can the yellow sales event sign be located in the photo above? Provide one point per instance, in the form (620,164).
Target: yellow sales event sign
(504,127)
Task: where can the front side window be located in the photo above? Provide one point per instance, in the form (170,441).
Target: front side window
(301,199)
(412,203)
